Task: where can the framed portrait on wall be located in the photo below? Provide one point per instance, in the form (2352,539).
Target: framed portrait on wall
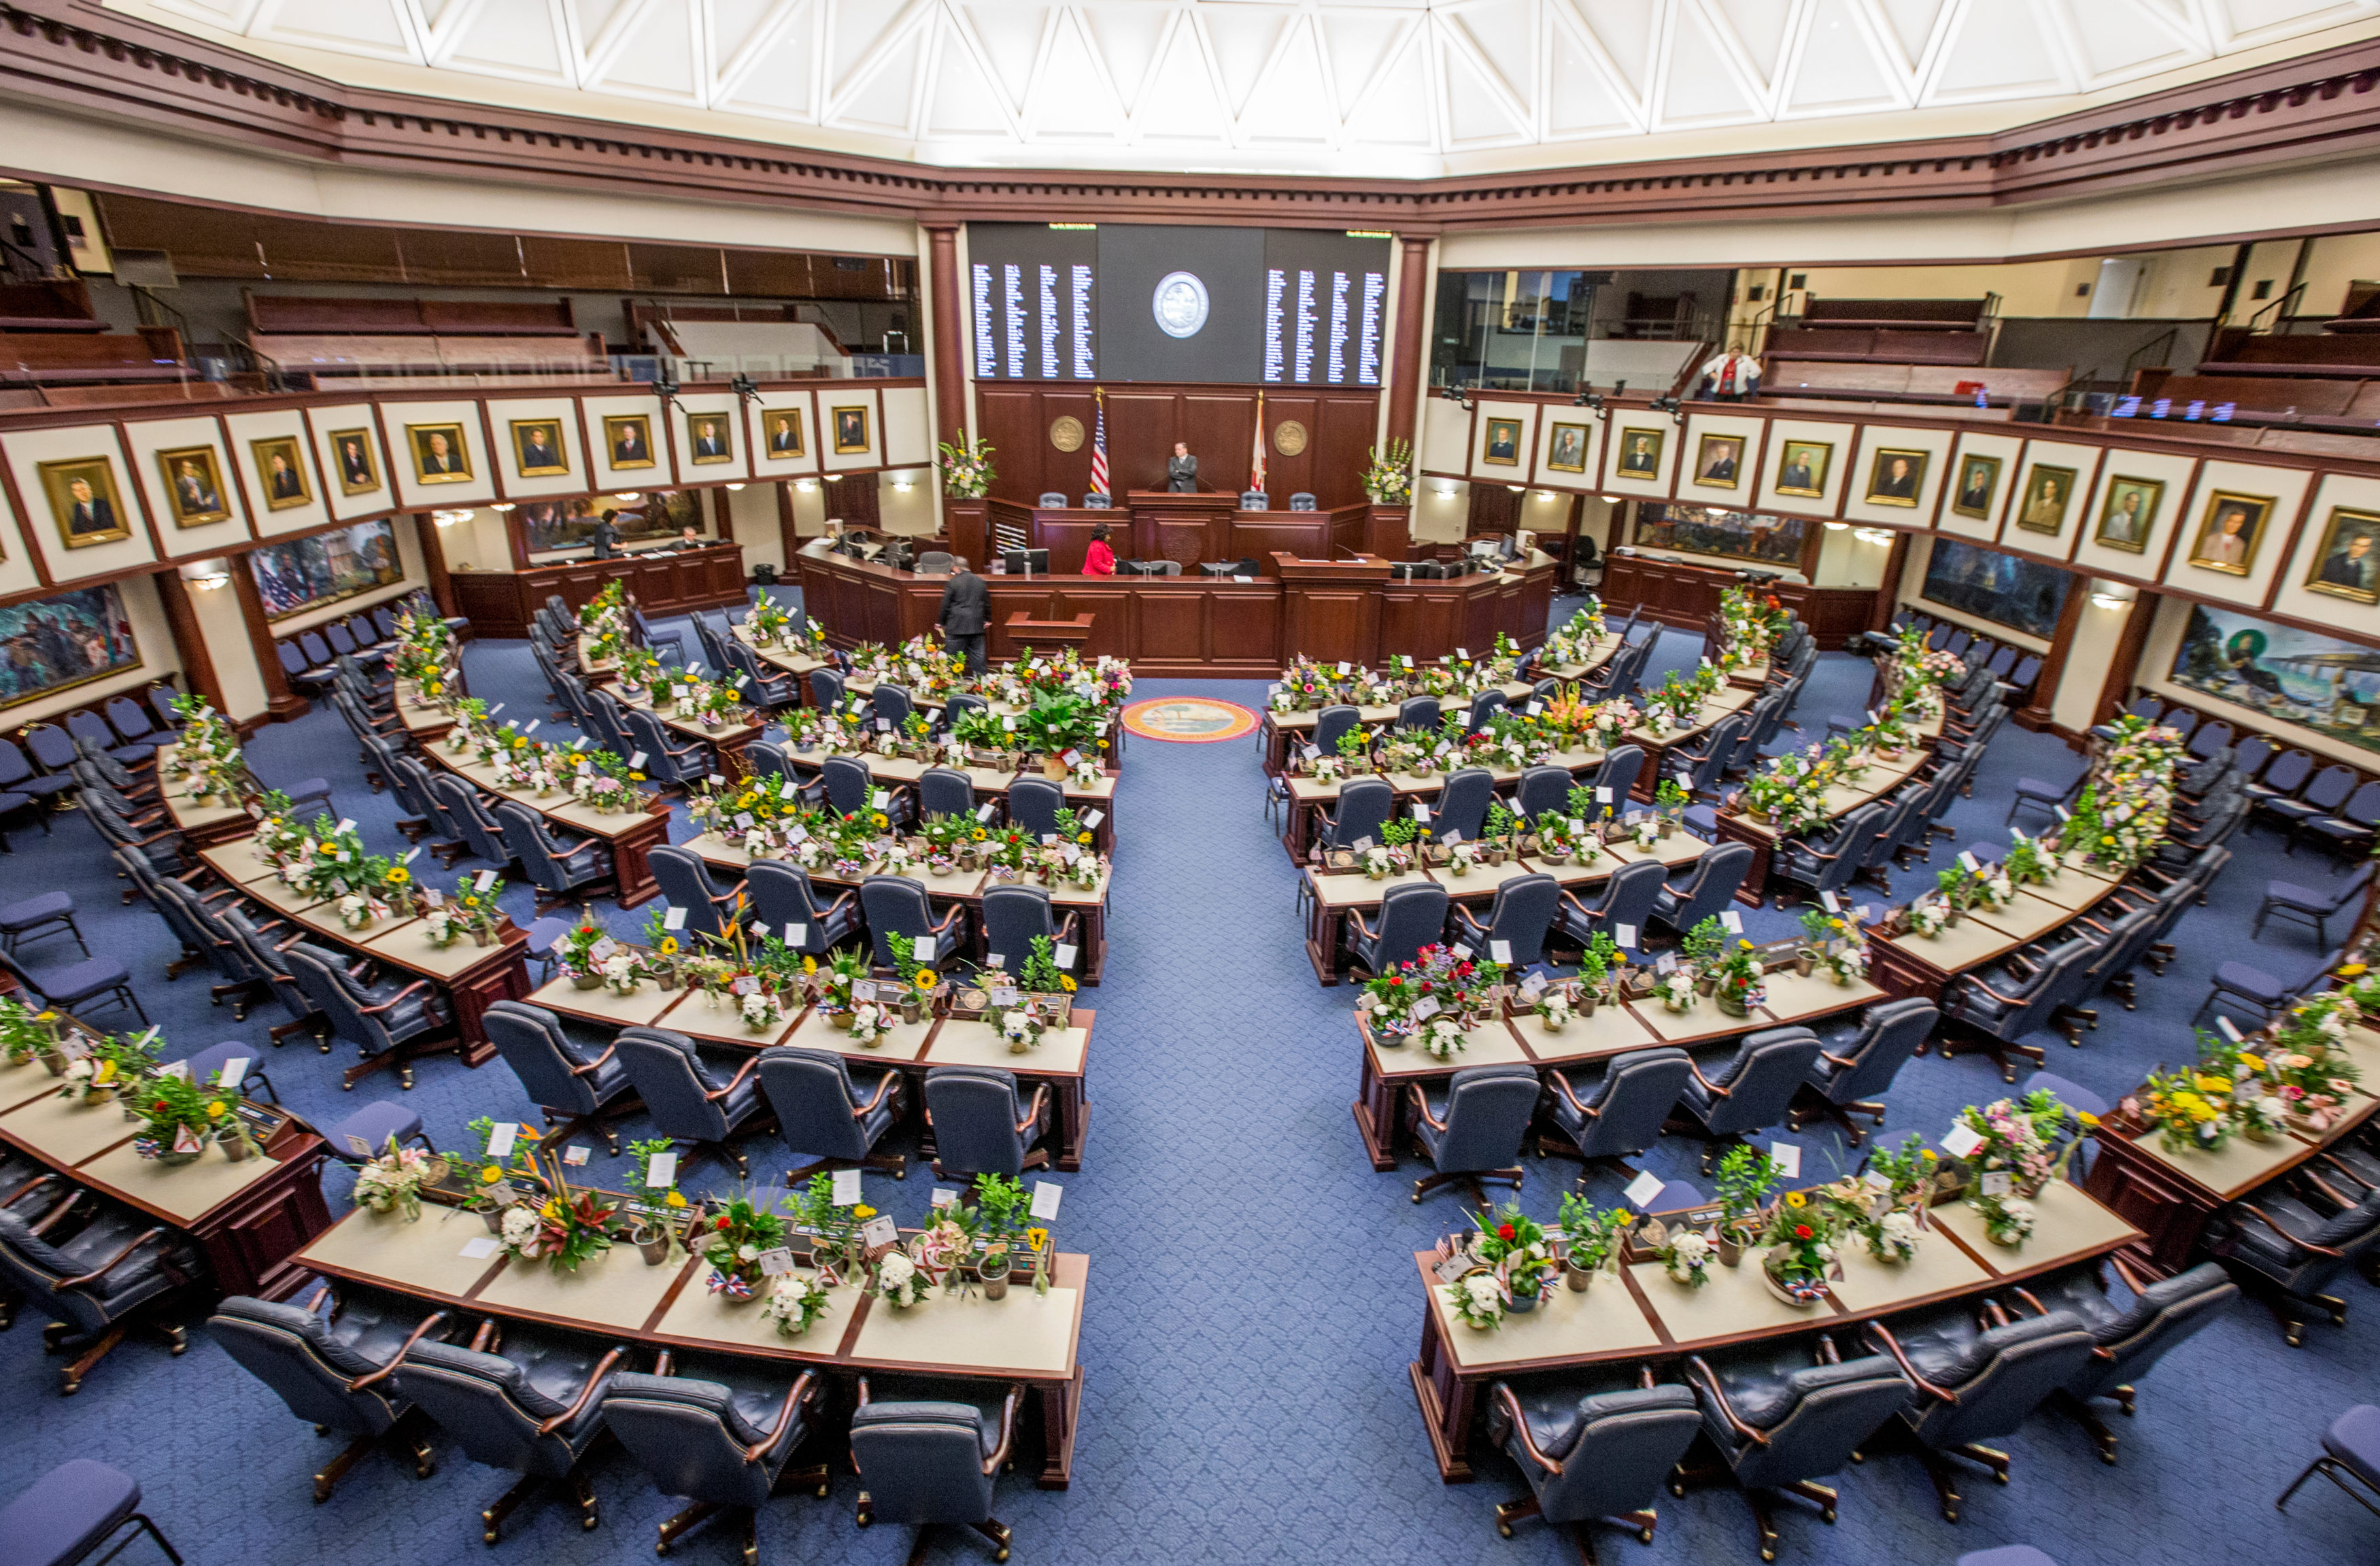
(66,639)
(1801,468)
(783,432)
(1719,462)
(2130,512)
(194,485)
(2230,532)
(83,501)
(1895,475)
(281,472)
(1502,447)
(2348,563)
(439,454)
(1640,453)
(1566,452)
(629,438)
(2047,494)
(352,455)
(538,451)
(850,430)
(1978,485)
(708,438)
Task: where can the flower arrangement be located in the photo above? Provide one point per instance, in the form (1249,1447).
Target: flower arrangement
(179,1118)
(967,468)
(2007,1220)
(1800,1256)
(1388,476)
(482,1173)
(795,1303)
(2121,815)
(760,1008)
(604,624)
(392,1181)
(564,1231)
(901,1281)
(576,952)
(1437,982)
(1750,623)
(1476,1300)
(1591,1235)
(1555,1008)
(769,621)
(734,1236)
(1789,791)
(111,1065)
(26,1032)
(639,667)
(2025,864)
(1927,918)
(1745,1177)
(1736,980)
(2190,1108)
(1832,944)
(1572,643)
(424,649)
(1676,988)
(2017,1139)
(466,911)
(2306,1068)
(1515,1246)
(1893,1237)
(1685,1256)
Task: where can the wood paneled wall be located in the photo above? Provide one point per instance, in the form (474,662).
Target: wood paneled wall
(1145,419)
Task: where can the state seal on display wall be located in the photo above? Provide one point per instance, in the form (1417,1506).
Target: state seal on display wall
(1066,432)
(1289,437)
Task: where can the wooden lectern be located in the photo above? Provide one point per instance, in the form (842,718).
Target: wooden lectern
(1024,630)
(1333,609)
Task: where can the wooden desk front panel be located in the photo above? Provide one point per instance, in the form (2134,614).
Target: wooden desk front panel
(1686,594)
(500,603)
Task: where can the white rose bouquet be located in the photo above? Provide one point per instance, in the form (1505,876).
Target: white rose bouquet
(901,1280)
(1476,1301)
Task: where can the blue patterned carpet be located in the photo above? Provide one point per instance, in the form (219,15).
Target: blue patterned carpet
(1253,1305)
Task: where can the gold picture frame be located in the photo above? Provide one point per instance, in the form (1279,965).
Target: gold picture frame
(2048,496)
(194,485)
(281,474)
(850,430)
(1895,475)
(1802,466)
(2232,531)
(539,458)
(1566,448)
(628,438)
(2341,568)
(1501,445)
(710,429)
(1719,462)
(355,461)
(441,455)
(1977,486)
(1638,454)
(2124,527)
(781,435)
(84,502)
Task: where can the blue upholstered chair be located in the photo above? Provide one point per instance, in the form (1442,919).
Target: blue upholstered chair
(719,1432)
(671,766)
(280,980)
(1521,915)
(1013,916)
(1628,899)
(391,1023)
(928,1454)
(1543,791)
(689,1099)
(1710,891)
(1365,807)
(1624,1112)
(895,906)
(1411,915)
(832,1110)
(72,1510)
(358,1137)
(1471,1130)
(945,790)
(335,1367)
(1594,1449)
(574,1080)
(1782,1417)
(2289,1250)
(1753,1091)
(87,727)
(892,703)
(2132,1336)
(980,1123)
(1827,862)
(770,692)
(1857,1065)
(206,1068)
(1418,714)
(535,1407)
(464,816)
(558,872)
(783,898)
(1975,1383)
(1033,806)
(684,879)
(1461,808)
(72,987)
(2287,900)
(851,790)
(826,689)
(2351,1450)
(1993,1011)
(95,1282)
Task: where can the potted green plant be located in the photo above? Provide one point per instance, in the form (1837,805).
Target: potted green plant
(1746,1175)
(1591,1238)
(736,1233)
(1515,1245)
(1801,1255)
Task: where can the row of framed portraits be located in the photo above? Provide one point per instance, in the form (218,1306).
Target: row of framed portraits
(539,450)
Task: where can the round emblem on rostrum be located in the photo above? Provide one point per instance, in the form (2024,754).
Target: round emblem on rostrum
(1289,437)
(1179,304)
(1066,432)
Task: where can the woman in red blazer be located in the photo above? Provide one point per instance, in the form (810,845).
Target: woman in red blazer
(1098,560)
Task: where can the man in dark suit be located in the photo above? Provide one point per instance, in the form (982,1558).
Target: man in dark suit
(607,536)
(437,457)
(91,513)
(783,442)
(1181,470)
(1977,495)
(192,493)
(967,607)
(1795,473)
(285,484)
(354,464)
(537,452)
(1899,482)
(630,447)
(1721,468)
(707,442)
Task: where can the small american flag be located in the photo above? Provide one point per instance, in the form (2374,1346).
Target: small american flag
(1099,444)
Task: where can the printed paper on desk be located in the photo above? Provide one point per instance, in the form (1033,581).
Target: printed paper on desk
(718,780)
(496,709)
(775,1260)
(1343,668)
(1834,904)
(586,764)
(846,1189)
(661,1172)
(1666,964)
(1996,1182)
(1533,986)
(1453,835)
(788,789)
(983,811)
(1732,920)
(1421,813)
(883,725)
(1787,1156)
(1876,1181)
(1961,1140)
(1094,818)
(743,820)
(2230,1029)
(1534,708)
(1449,1269)
(178,1070)
(1237,577)
(534,723)
(944,1196)
(748,985)
(434,897)
(501,1137)
(361,1148)
(863,990)
(1008,720)
(882,1229)
(1602,796)
(1624,934)
(882,797)
(409,855)
(235,1072)
(798,935)
(674,919)
(1500,951)
(1426,1008)
(1004,995)
(2063,814)
(575,1154)
(1462,652)
(1461,952)
(1363,843)
(924,948)
(1312,751)
(1065,956)
(347,823)
(603,949)
(482,1248)
(636,760)
(1048,838)
(1577,827)
(1643,1189)
(1967,860)
(1045,1200)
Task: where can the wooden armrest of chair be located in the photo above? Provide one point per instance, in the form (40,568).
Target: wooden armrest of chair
(591,1067)
(751,1065)
(795,1395)
(888,1084)
(602,1366)
(1421,1107)
(943,928)
(436,1318)
(1719,1395)
(103,1268)
(1368,933)
(384,1005)
(1841,1063)
(1007,1429)
(1512,1406)
(2269,1222)
(1713,1088)
(58,1213)
(1877,1332)
(26,1189)
(1036,1109)
(1561,1086)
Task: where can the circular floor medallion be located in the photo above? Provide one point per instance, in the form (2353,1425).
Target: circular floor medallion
(1189,720)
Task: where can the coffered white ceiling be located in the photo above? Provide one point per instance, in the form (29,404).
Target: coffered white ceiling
(1373,87)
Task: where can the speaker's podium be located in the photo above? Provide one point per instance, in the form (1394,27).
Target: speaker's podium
(1333,609)
(1187,527)
(1028,630)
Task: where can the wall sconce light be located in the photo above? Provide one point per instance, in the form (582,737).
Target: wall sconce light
(834,477)
(1873,535)
(903,486)
(1446,491)
(1608,500)
(2105,594)
(734,486)
(1838,527)
(501,506)
(1516,489)
(629,497)
(2109,600)
(1546,494)
(448,518)
(806,485)
(212,580)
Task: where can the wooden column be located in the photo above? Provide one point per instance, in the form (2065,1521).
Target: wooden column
(789,539)
(1408,363)
(2035,714)
(723,518)
(434,563)
(2126,666)
(1888,595)
(280,702)
(189,642)
(950,364)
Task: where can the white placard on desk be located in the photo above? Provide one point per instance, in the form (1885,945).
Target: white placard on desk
(1500,951)
(1093,818)
(1961,1140)
(846,1189)
(775,1260)
(358,1146)
(482,1248)
(533,724)
(235,1072)
(924,948)
(863,992)
(1577,827)
(1625,935)
(1996,1182)
(1967,860)
(660,1171)
(433,897)
(788,788)
(1065,954)
(1731,921)
(1834,904)
(882,1229)
(674,919)
(1045,1200)
(1421,812)
(1426,1008)
(501,1137)
(761,926)
(410,855)
(944,1196)
(1643,1189)
(983,811)
(636,760)
(1787,1156)
(798,935)
(882,797)
(2230,1029)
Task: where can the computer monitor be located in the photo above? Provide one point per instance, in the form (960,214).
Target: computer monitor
(1027,562)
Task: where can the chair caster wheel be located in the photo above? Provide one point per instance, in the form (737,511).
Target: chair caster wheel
(1679,1490)
(862,1521)
(587,1524)
(1999,1478)
(662,1549)
(1767,1555)
(821,1492)
(1503,1530)
(348,1086)
(1002,1555)
(1644,1535)
(1949,1514)
(488,1539)
(901,1173)
(2108,1458)
(67,1388)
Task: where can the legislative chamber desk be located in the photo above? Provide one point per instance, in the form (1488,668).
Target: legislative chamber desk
(1881,778)
(1640,1316)
(1917,964)
(1390,1070)
(247,1219)
(1061,1060)
(469,977)
(2170,1197)
(1686,592)
(199,824)
(1202,625)
(1028,1337)
(664,581)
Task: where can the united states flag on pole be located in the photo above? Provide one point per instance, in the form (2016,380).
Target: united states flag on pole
(1100,445)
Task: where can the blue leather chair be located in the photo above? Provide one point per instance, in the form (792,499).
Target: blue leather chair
(684,881)
(88,728)
(2287,900)
(1625,1113)
(1628,899)
(826,689)
(1521,915)
(982,1125)
(2131,1337)
(206,1068)
(944,791)
(280,980)
(71,986)
(1594,1449)
(557,873)
(2288,1250)
(1781,1418)
(71,1510)
(1976,1382)
(1013,916)
(1827,862)
(928,1455)
(893,703)
(534,1405)
(1461,808)
(1484,705)
(895,906)
(783,898)
(851,790)
(1710,892)
(357,1138)
(1472,1129)
(1753,1091)
(464,816)
(1411,915)
(1365,807)
(391,1022)
(690,1100)
(335,1369)
(1331,724)
(1857,1065)
(2350,1449)
(671,766)
(1544,791)
(1418,713)
(770,692)
(1033,804)
(578,1081)
(719,1432)
(1995,1009)
(97,1270)
(829,1107)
